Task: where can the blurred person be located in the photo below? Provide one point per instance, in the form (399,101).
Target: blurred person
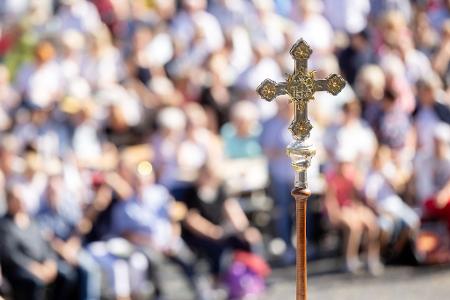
(441,59)
(348,16)
(438,204)
(346,210)
(9,98)
(215,224)
(274,139)
(58,219)
(123,269)
(353,134)
(171,123)
(40,130)
(314,28)
(356,55)
(107,13)
(231,14)
(392,25)
(152,47)
(326,107)
(240,47)
(194,20)
(200,149)
(40,82)
(103,62)
(417,64)
(121,114)
(28,262)
(397,81)
(393,127)
(136,85)
(426,38)
(148,221)
(241,136)
(395,130)
(216,95)
(264,65)
(80,15)
(439,14)
(31,182)
(269,26)
(429,112)
(369,87)
(86,142)
(380,190)
(72,58)
(404,7)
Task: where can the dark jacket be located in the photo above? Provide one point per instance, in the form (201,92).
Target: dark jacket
(441,110)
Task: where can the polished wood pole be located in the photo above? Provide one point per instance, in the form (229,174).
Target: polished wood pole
(301,196)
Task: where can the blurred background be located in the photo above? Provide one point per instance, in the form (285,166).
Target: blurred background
(138,162)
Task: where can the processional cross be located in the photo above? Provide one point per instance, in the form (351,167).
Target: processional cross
(300,86)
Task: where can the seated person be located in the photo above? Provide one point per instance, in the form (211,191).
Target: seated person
(438,205)
(118,262)
(28,261)
(149,220)
(346,210)
(380,193)
(214,224)
(58,218)
(241,135)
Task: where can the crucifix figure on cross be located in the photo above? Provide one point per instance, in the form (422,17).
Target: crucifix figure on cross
(300,86)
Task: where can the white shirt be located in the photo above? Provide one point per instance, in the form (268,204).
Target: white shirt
(426,122)
(41,84)
(185,27)
(82,16)
(347,15)
(317,31)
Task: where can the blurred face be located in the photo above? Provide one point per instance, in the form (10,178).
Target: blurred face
(351,113)
(243,126)
(344,168)
(388,104)
(358,42)
(53,194)
(166,8)
(194,5)
(15,204)
(426,95)
(441,149)
(44,52)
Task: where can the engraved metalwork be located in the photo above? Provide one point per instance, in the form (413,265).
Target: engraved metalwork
(300,86)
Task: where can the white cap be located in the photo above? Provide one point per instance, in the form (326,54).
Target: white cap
(245,110)
(172,118)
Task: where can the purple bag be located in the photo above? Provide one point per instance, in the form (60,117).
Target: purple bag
(241,281)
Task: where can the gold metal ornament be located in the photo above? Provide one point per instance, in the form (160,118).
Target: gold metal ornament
(300,86)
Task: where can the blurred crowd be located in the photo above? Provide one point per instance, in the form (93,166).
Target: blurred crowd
(132,137)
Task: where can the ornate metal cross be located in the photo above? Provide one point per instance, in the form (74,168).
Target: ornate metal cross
(300,86)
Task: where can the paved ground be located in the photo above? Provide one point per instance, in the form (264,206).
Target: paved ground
(399,282)
(325,282)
